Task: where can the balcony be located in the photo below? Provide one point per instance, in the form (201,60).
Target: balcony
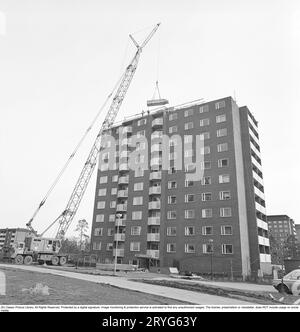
(120,222)
(156,148)
(154,221)
(158,122)
(127,130)
(123,180)
(155,190)
(153,253)
(122,193)
(124,167)
(120,237)
(156,134)
(155,162)
(155,175)
(153,237)
(118,252)
(154,205)
(121,207)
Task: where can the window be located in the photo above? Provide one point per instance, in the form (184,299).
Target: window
(140,146)
(189,214)
(206,197)
(189,168)
(206,213)
(112,218)
(100,218)
(135,230)
(222,132)
(188,183)
(203,109)
(188,125)
(136,215)
(171,199)
(221,118)
(206,180)
(137,200)
(113,191)
(204,122)
(102,192)
(141,122)
(103,179)
(172,116)
(189,248)
(189,198)
(205,165)
(205,150)
(227,249)
(208,248)
(171,215)
(188,113)
(171,247)
(205,135)
(171,231)
(173,129)
(135,246)
(223,163)
(98,231)
(225,212)
(207,230)
(226,230)
(189,231)
(110,232)
(140,133)
(172,184)
(109,247)
(138,186)
(96,245)
(113,204)
(173,142)
(224,195)
(220,104)
(172,170)
(188,139)
(222,147)
(101,205)
(114,178)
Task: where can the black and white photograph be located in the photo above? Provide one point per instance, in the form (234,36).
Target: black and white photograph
(149,158)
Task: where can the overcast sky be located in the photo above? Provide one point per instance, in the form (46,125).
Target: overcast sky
(60,59)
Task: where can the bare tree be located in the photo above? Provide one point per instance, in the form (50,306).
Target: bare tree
(82,228)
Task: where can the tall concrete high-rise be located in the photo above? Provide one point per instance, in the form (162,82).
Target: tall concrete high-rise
(157,217)
(281,227)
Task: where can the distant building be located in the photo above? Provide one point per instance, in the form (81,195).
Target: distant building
(156,218)
(281,227)
(8,236)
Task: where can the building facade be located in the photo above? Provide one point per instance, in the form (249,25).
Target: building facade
(281,227)
(297,227)
(155,217)
(9,236)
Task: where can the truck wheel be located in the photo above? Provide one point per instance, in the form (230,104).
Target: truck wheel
(62,260)
(28,260)
(19,260)
(283,289)
(55,260)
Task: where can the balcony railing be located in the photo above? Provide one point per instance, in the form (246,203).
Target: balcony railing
(154,190)
(119,237)
(118,252)
(155,175)
(122,193)
(121,207)
(157,122)
(123,180)
(154,205)
(153,221)
(153,237)
(153,253)
(120,222)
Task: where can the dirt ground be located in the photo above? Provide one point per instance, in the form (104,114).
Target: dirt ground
(67,291)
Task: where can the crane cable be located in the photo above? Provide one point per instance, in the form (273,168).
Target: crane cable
(74,152)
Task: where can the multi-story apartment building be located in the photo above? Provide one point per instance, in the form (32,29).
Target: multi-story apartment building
(156,217)
(297,227)
(281,227)
(9,236)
